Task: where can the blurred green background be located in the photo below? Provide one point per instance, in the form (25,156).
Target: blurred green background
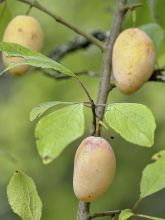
(18,95)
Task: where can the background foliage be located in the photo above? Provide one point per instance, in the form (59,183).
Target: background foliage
(18,95)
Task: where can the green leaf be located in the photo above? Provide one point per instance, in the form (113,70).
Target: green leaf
(5,17)
(38,110)
(125,214)
(58,129)
(155,32)
(153,178)
(132,121)
(158,155)
(32,58)
(23,197)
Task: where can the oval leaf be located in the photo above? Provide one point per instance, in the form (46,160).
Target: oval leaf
(32,58)
(58,129)
(23,197)
(125,214)
(132,121)
(155,32)
(153,178)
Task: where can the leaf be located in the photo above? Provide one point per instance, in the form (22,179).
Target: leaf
(158,155)
(153,178)
(38,110)
(58,129)
(132,121)
(125,214)
(32,58)
(155,32)
(23,197)
(5,17)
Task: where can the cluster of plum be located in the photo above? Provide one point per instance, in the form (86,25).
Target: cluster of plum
(133,61)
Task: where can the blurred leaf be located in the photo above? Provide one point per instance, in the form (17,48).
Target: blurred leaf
(155,32)
(5,17)
(158,155)
(23,197)
(38,110)
(58,129)
(153,178)
(32,58)
(125,214)
(132,121)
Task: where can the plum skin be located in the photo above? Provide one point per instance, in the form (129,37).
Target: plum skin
(133,60)
(94,168)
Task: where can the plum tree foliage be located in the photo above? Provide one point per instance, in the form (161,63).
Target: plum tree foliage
(130,57)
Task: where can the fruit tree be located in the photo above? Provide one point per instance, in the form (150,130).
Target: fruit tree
(94,143)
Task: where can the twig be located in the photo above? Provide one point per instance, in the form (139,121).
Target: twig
(93,106)
(132,7)
(105,84)
(104,214)
(64,22)
(60,76)
(29,10)
(83,211)
(136,204)
(145,216)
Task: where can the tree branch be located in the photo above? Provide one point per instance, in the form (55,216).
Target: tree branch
(105,84)
(104,214)
(59,76)
(64,22)
(83,211)
(132,7)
